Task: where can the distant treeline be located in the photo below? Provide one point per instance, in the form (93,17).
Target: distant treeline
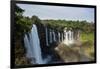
(24,24)
(74,25)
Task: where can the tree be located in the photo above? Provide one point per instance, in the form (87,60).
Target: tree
(22,24)
(35,20)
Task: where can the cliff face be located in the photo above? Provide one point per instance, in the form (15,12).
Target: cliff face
(42,37)
(47,50)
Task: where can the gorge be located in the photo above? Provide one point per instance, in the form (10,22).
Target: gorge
(33,46)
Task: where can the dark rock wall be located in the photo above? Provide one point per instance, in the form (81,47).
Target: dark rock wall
(42,37)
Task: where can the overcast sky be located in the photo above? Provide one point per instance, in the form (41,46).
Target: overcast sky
(58,12)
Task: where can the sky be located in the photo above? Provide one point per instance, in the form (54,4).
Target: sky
(58,12)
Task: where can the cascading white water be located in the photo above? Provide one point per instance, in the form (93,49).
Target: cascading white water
(47,37)
(50,36)
(62,37)
(54,37)
(68,37)
(72,36)
(33,46)
(36,45)
(59,36)
(29,53)
(33,43)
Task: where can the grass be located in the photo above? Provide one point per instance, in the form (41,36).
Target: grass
(88,44)
(87,37)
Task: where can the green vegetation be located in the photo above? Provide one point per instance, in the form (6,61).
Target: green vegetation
(87,37)
(24,24)
(75,25)
(88,44)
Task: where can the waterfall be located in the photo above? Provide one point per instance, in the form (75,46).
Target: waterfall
(59,36)
(50,36)
(33,46)
(66,37)
(54,37)
(62,37)
(47,37)
(36,45)
(72,36)
(28,48)
(69,37)
(66,41)
(32,43)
